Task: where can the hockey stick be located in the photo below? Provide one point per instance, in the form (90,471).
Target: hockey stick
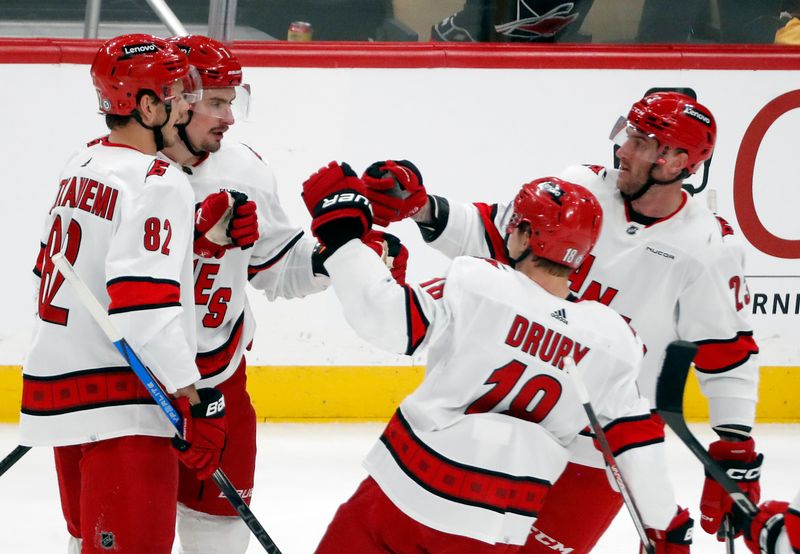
(669,404)
(12,458)
(727,534)
(148,380)
(608,455)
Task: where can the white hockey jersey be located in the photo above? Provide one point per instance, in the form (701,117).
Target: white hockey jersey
(474,449)
(124,221)
(678,278)
(279,263)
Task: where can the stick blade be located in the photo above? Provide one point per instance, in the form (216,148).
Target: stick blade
(672,380)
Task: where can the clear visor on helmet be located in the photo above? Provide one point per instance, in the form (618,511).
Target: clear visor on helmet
(228,104)
(637,143)
(513,223)
(189,88)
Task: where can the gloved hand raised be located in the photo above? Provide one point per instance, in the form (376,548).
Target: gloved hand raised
(393,253)
(243,226)
(211,219)
(336,199)
(395,190)
(204,432)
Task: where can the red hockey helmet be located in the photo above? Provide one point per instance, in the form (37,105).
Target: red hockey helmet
(217,66)
(127,64)
(565,219)
(676,121)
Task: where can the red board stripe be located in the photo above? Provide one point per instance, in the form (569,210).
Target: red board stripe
(430,55)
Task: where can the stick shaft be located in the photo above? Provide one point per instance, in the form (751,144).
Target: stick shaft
(12,458)
(669,404)
(608,454)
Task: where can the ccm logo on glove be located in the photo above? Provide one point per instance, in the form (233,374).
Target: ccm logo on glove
(751,474)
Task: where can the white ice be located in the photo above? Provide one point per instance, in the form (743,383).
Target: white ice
(305,471)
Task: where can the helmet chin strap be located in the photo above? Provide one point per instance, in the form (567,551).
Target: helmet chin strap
(653,181)
(157,134)
(184,136)
(514,261)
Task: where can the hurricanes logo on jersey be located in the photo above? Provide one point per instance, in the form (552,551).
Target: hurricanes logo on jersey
(157,168)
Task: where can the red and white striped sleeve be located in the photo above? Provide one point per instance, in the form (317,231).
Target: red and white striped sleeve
(148,277)
(396,318)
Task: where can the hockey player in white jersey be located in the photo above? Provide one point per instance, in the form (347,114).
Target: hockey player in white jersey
(467,461)
(663,261)
(123,219)
(776,528)
(236,193)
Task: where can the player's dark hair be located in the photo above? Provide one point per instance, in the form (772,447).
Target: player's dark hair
(114,121)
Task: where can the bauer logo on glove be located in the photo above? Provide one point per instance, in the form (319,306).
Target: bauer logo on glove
(215,408)
(345,198)
(337,201)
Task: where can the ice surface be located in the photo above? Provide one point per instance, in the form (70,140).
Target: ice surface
(305,471)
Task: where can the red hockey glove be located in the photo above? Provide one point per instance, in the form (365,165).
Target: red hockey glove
(336,199)
(211,218)
(393,253)
(395,189)
(743,465)
(204,431)
(677,537)
(243,227)
(774,520)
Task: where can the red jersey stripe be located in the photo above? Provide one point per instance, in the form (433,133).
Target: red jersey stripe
(474,486)
(632,432)
(254,270)
(82,390)
(416,322)
(215,361)
(495,242)
(142,293)
(37,270)
(715,356)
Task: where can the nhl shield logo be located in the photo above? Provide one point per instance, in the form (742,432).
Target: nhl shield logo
(632,230)
(107,540)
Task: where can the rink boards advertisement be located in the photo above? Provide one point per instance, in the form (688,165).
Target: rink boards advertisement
(478,122)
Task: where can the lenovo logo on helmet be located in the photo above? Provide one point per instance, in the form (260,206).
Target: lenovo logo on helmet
(553,190)
(133,49)
(699,116)
(184,49)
